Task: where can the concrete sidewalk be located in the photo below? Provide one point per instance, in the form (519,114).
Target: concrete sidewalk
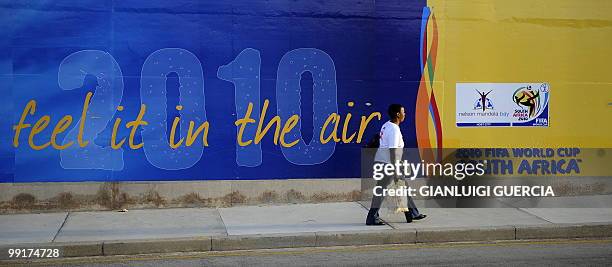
(295,225)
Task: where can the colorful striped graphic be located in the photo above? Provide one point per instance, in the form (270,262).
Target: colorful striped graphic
(427,116)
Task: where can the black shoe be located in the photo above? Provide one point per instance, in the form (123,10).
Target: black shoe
(408,216)
(421,216)
(373,218)
(376,221)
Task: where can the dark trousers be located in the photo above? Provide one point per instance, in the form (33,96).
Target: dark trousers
(377,200)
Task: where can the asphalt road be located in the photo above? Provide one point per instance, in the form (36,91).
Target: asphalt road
(533,253)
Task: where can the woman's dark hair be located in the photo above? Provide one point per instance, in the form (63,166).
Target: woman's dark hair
(394,109)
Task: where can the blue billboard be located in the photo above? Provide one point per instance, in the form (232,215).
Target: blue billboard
(201,90)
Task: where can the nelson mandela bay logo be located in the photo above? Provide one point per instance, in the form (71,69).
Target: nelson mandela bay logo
(483,102)
(529,101)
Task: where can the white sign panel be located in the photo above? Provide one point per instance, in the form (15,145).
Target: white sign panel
(502,104)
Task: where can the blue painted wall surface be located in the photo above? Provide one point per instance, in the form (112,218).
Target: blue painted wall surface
(374,46)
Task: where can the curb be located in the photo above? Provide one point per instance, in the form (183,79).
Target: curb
(355,238)
(557,231)
(268,241)
(320,239)
(440,235)
(149,246)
